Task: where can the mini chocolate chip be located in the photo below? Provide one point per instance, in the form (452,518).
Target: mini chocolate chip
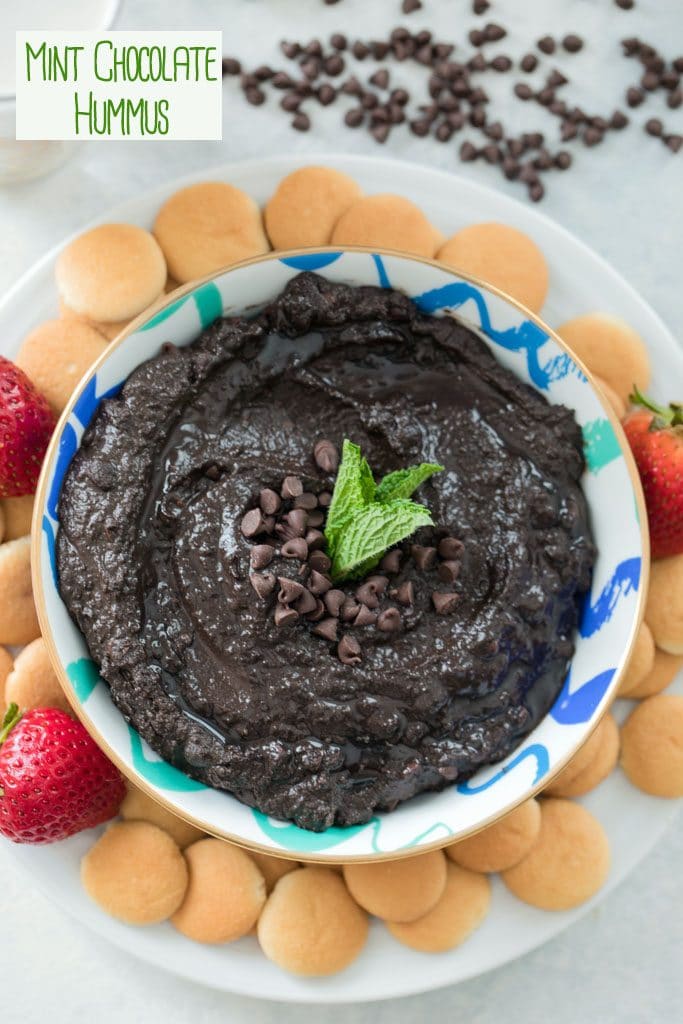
(677,64)
(515,147)
(365,617)
(281,80)
(654,127)
(307,603)
(389,621)
(674,99)
(392,561)
(674,142)
(494,33)
(354,118)
(492,154)
(456,120)
(301,122)
(444,603)
(290,590)
(291,487)
(261,555)
(618,120)
(319,612)
(285,616)
(263,73)
(477,63)
(650,81)
(231,66)
(592,136)
(536,192)
(523,91)
(380,78)
(480,6)
(368,100)
(501,63)
(423,37)
(451,547)
(449,571)
(600,123)
(670,79)
(290,50)
(448,102)
(327,629)
(543,161)
(352,86)
(294,524)
(558,108)
(349,610)
(572,43)
(529,62)
(254,95)
(494,131)
(252,523)
(532,140)
(316,518)
(334,65)
(324,499)
(528,173)
(307,500)
(408,6)
(634,97)
(563,160)
(338,41)
(348,651)
(568,131)
(546,44)
(424,557)
(334,599)
(444,132)
(510,168)
(318,584)
(478,117)
(263,583)
(556,79)
(295,548)
(290,102)
(370,591)
(476,37)
(269,501)
(360,50)
(326,94)
(319,561)
(625,5)
(310,68)
(315,539)
(379,49)
(380,132)
(405,594)
(630,46)
(545,97)
(420,127)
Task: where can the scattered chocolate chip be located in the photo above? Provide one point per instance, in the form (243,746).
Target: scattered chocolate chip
(334,599)
(536,192)
(334,65)
(449,571)
(365,617)
(349,610)
(405,594)
(291,102)
(392,561)
(291,487)
(674,99)
(319,612)
(625,5)
(618,120)
(360,50)
(572,43)
(307,500)
(563,160)
(654,127)
(348,651)
(261,555)
(444,132)
(419,127)
(231,66)
(674,142)
(444,603)
(480,6)
(380,132)
(354,118)
(477,63)
(556,79)
(316,518)
(301,122)
(634,96)
(307,603)
(424,557)
(523,91)
(285,616)
(592,136)
(252,523)
(389,621)
(314,48)
(326,94)
(494,33)
(327,629)
(269,501)
(263,583)
(650,81)
(338,41)
(451,547)
(600,123)
(315,539)
(263,73)
(254,95)
(501,63)
(545,97)
(492,153)
(290,50)
(318,584)
(370,591)
(319,561)
(546,44)
(529,62)
(295,548)
(324,499)
(568,131)
(380,78)
(476,37)
(290,590)
(510,168)
(294,524)
(677,64)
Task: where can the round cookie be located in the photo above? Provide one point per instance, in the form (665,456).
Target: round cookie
(225,893)
(664,608)
(273,868)
(609,348)
(56,355)
(568,863)
(387,221)
(5,669)
(310,925)
(136,873)
(32,683)
(137,806)
(17,514)
(652,746)
(502,256)
(111,272)
(616,401)
(640,663)
(502,844)
(398,890)
(463,906)
(663,672)
(208,226)
(306,205)
(593,763)
(18,619)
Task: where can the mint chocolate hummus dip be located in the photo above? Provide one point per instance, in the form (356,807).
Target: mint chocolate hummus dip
(193,554)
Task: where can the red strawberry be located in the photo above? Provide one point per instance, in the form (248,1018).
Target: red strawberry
(655,434)
(26,425)
(54,779)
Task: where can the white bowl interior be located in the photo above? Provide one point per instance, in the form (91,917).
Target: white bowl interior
(609,620)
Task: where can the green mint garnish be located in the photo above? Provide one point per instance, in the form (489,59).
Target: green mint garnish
(366,519)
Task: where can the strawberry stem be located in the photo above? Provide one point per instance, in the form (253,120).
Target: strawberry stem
(665,415)
(12,716)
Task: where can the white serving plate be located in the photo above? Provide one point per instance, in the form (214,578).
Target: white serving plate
(580,282)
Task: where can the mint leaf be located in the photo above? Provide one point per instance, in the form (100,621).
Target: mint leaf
(369,531)
(353,490)
(403,482)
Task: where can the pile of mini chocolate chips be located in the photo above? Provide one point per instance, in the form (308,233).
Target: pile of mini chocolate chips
(289,525)
(454,100)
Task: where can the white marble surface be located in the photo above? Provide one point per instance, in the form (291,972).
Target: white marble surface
(622,962)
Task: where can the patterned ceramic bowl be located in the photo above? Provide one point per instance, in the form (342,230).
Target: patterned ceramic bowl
(610,617)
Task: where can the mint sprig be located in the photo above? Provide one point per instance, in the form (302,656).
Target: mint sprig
(366,519)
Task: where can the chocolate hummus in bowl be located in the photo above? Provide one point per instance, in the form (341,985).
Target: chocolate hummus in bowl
(328,559)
